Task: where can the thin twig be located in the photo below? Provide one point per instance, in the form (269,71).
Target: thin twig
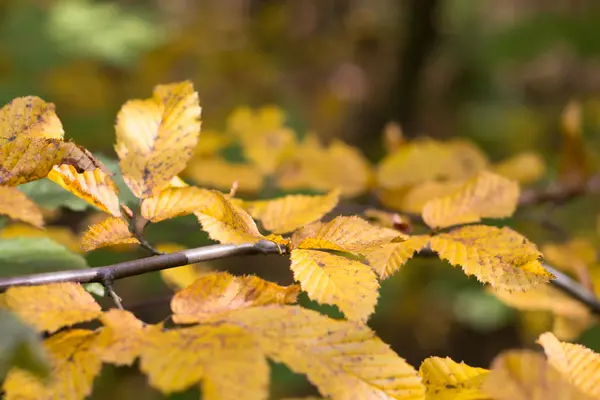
(111,291)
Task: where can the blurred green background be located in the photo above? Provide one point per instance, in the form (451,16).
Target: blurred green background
(498,73)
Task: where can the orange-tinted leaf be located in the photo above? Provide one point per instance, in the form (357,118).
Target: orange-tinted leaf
(228,223)
(388,259)
(107,233)
(331,279)
(157,137)
(485,196)
(215,294)
(501,257)
(15,205)
(176,201)
(95,187)
(291,212)
(50,307)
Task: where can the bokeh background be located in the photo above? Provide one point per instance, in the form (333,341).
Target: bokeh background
(497,73)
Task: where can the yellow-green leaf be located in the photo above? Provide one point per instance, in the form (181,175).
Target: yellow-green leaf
(15,205)
(50,307)
(109,232)
(95,187)
(331,279)
(289,213)
(157,137)
(176,201)
(485,196)
(498,256)
(446,379)
(213,295)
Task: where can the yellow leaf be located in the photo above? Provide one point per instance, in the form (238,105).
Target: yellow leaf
(176,201)
(388,219)
(524,168)
(213,295)
(29,116)
(27,159)
(579,365)
(413,200)
(225,358)
(388,259)
(574,256)
(180,277)
(59,234)
(228,223)
(446,379)
(331,279)
(343,359)
(109,232)
(425,160)
(157,137)
(50,307)
(120,341)
(221,174)
(15,205)
(75,365)
(212,142)
(305,232)
(526,375)
(350,234)
(393,137)
(95,187)
(286,214)
(498,256)
(485,196)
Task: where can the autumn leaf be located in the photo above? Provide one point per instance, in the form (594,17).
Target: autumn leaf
(75,365)
(524,168)
(526,375)
(485,196)
(446,379)
(286,214)
(157,137)
(109,232)
(120,341)
(29,116)
(221,174)
(26,159)
(59,234)
(414,198)
(351,234)
(95,187)
(498,256)
(332,279)
(343,359)
(228,223)
(225,358)
(176,201)
(579,365)
(50,307)
(180,277)
(387,259)
(212,142)
(15,205)
(218,293)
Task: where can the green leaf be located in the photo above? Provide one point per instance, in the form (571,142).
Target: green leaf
(20,347)
(20,256)
(95,288)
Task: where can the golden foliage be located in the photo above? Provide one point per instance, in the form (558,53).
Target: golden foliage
(174,202)
(332,279)
(75,365)
(344,359)
(215,294)
(95,187)
(289,213)
(414,198)
(387,259)
(220,174)
(227,222)
(15,205)
(498,256)
(579,365)
(120,341)
(485,196)
(523,168)
(109,232)
(31,117)
(50,307)
(446,379)
(157,137)
(224,357)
